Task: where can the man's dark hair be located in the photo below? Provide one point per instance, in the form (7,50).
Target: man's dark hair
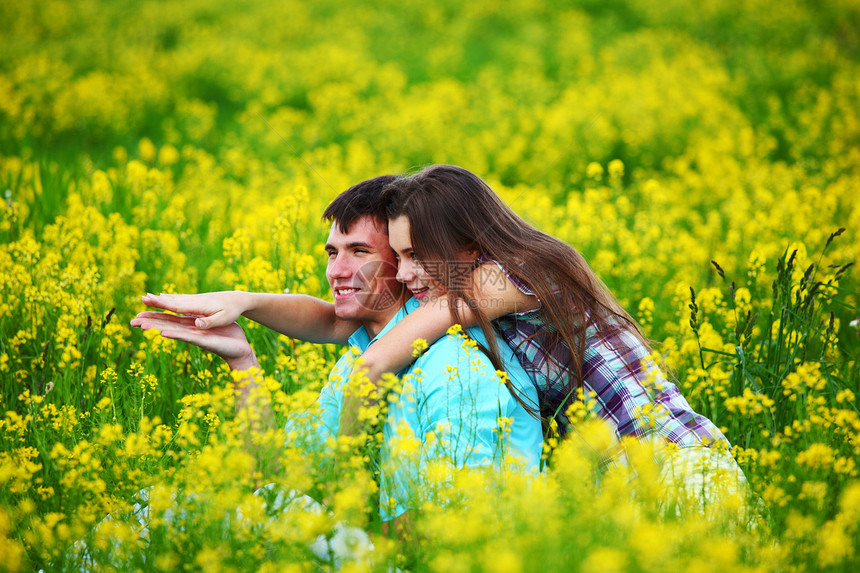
(361,200)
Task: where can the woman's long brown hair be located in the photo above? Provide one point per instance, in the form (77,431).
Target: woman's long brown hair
(451,210)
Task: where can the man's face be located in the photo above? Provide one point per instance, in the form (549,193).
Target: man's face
(361,272)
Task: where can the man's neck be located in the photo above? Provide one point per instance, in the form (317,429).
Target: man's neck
(375,326)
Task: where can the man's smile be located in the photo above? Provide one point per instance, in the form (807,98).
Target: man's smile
(341,293)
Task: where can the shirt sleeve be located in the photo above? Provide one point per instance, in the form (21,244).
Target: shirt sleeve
(313,428)
(516,281)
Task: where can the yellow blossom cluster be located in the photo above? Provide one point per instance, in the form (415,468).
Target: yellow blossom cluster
(703,159)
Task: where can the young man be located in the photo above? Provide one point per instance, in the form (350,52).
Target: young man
(451,391)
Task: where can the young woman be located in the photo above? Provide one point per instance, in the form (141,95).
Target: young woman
(571,335)
(576,335)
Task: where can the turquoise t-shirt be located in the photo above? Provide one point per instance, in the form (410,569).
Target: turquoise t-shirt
(452,408)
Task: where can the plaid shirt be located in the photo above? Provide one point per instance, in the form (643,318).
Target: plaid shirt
(621,383)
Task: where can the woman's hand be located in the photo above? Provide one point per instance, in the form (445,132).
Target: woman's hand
(210,310)
(228,341)
(295,315)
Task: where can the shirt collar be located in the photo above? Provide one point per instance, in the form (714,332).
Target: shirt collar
(362,340)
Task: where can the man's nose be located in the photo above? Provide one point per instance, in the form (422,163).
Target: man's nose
(338,267)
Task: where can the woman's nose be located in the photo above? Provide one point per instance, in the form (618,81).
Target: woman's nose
(405,273)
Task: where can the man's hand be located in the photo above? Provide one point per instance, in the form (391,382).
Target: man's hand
(228,341)
(210,310)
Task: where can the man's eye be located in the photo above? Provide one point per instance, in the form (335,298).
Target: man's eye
(331,253)
(362,251)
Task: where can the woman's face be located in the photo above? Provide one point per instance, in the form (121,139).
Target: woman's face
(410,270)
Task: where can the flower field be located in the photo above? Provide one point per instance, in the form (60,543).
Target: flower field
(704,157)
